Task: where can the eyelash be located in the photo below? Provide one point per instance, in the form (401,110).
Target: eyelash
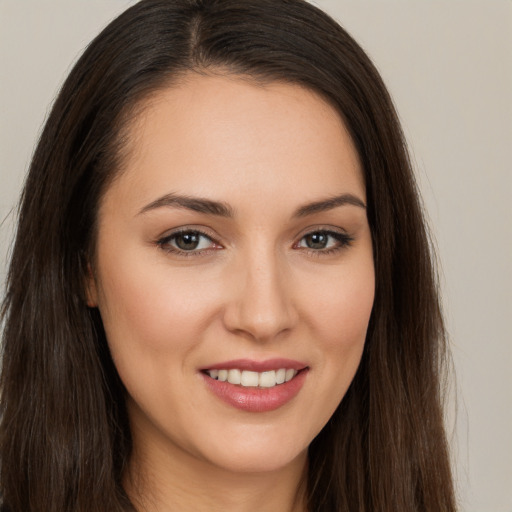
(164,243)
(344,241)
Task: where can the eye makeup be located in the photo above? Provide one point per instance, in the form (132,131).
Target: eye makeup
(187,242)
(193,242)
(324,242)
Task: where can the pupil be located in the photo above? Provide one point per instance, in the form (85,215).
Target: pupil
(316,241)
(187,241)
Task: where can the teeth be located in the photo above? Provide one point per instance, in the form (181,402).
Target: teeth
(247,378)
(289,375)
(267,379)
(234,376)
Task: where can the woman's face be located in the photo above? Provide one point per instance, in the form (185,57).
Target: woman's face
(234,244)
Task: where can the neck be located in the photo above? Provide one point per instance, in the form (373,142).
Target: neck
(161,480)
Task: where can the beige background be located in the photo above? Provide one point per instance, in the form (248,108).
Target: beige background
(448,65)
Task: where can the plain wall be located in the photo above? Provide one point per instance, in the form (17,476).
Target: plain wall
(448,65)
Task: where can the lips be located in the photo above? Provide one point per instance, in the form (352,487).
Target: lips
(256,386)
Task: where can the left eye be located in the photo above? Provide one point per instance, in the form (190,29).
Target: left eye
(322,240)
(187,241)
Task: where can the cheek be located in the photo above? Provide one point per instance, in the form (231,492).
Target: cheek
(151,307)
(154,320)
(342,310)
(340,317)
(337,317)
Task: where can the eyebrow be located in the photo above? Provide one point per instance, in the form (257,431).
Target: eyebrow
(221,209)
(329,204)
(196,204)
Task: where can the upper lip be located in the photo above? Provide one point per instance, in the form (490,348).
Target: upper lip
(257,366)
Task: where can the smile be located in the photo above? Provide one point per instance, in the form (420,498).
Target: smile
(247,378)
(253,386)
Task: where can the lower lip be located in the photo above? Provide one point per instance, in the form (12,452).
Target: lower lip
(257,399)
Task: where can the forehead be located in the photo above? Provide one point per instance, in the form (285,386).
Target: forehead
(210,134)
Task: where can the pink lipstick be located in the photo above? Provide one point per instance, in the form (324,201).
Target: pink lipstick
(256,386)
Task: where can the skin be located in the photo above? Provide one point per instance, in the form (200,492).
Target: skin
(253,289)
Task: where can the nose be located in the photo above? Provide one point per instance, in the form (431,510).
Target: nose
(261,305)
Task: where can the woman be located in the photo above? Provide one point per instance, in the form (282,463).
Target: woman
(221,294)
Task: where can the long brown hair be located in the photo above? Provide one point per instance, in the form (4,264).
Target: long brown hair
(64,435)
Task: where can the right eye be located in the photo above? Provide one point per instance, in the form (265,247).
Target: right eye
(187,241)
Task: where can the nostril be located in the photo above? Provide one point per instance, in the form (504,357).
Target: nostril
(260,305)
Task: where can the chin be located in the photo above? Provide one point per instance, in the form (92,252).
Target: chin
(252,454)
(262,462)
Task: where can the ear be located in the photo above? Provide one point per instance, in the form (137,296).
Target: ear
(91,289)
